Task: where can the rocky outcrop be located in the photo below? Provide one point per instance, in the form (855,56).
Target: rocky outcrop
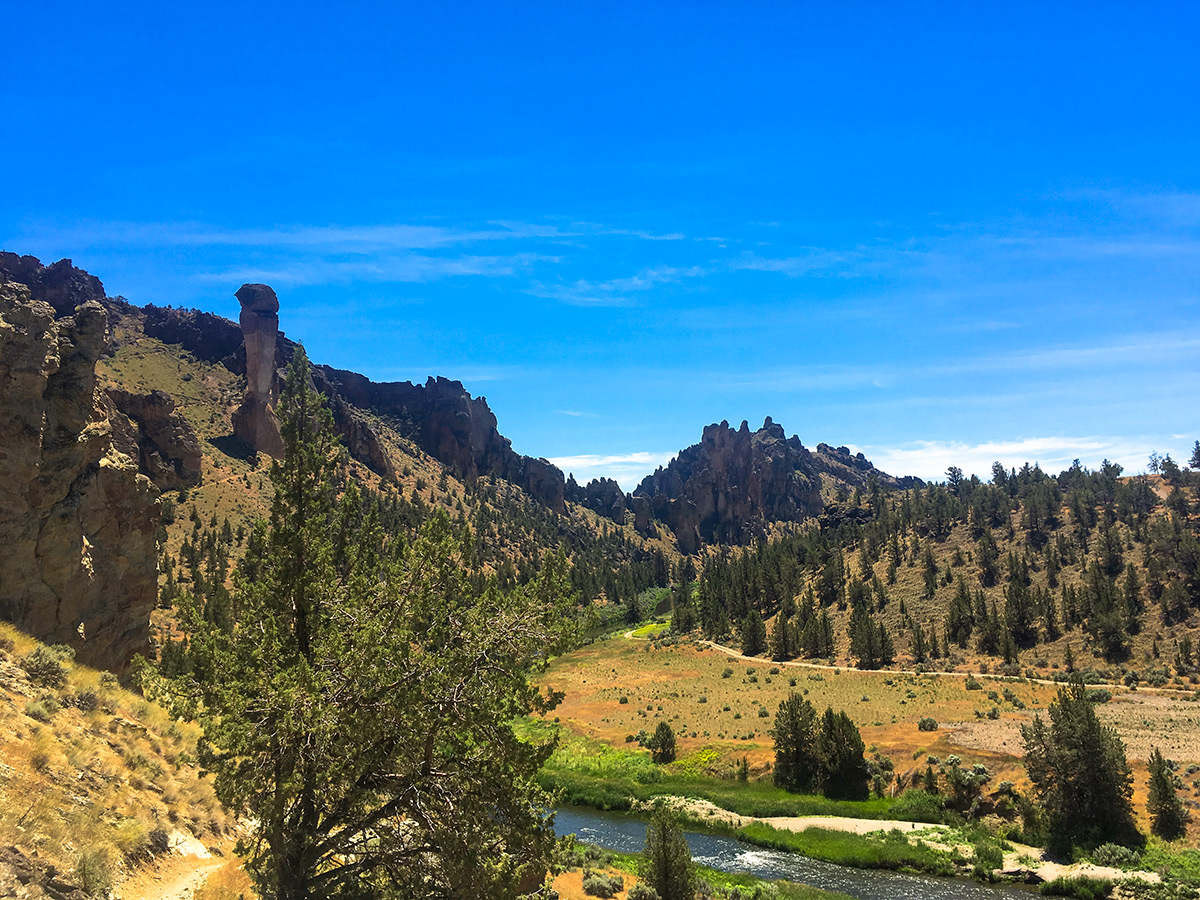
(254,421)
(452,426)
(601,495)
(149,430)
(208,337)
(727,488)
(60,284)
(77,519)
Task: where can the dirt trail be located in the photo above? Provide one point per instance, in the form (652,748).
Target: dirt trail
(176,878)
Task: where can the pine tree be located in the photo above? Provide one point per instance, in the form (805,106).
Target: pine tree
(797,752)
(1167,815)
(1080,775)
(345,708)
(666,860)
(754,634)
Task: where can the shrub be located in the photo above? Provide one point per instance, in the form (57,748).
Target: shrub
(599,885)
(993,713)
(927,723)
(1115,855)
(919,806)
(42,710)
(44,666)
(728,673)
(973,684)
(623,700)
(702,699)
(988,858)
(84,701)
(1082,887)
(1099,695)
(762,712)
(642,891)
(94,869)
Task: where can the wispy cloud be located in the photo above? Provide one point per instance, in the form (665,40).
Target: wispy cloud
(401,268)
(627,469)
(615,291)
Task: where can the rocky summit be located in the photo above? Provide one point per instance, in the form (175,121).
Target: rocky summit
(728,487)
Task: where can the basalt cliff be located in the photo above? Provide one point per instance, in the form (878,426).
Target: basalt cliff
(77,516)
(731,485)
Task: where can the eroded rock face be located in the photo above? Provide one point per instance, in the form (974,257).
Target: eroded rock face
(457,429)
(162,440)
(77,520)
(254,421)
(729,486)
(601,495)
(60,284)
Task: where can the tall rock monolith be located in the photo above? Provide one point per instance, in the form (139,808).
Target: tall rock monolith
(254,421)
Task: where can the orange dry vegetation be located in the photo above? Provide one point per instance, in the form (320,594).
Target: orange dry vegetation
(667,684)
(88,767)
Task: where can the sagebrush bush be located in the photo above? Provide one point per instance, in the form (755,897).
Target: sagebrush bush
(927,723)
(44,666)
(599,885)
(94,868)
(1115,855)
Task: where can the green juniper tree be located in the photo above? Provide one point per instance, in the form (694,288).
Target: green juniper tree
(1080,775)
(1167,815)
(667,862)
(357,709)
(662,744)
(797,755)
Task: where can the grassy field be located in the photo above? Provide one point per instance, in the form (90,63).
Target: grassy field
(722,709)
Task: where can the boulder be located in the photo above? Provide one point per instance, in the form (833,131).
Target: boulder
(162,440)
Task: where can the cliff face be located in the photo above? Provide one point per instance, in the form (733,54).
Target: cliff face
(60,284)
(440,416)
(729,486)
(77,519)
(601,495)
(162,441)
(457,429)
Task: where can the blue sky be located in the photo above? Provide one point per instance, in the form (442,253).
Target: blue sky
(938,233)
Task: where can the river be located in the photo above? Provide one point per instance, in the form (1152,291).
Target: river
(628,835)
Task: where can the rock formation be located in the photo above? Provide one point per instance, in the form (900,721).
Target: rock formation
(60,284)
(601,495)
(254,421)
(452,426)
(149,430)
(729,486)
(77,520)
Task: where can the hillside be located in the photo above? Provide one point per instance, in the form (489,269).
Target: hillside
(97,784)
